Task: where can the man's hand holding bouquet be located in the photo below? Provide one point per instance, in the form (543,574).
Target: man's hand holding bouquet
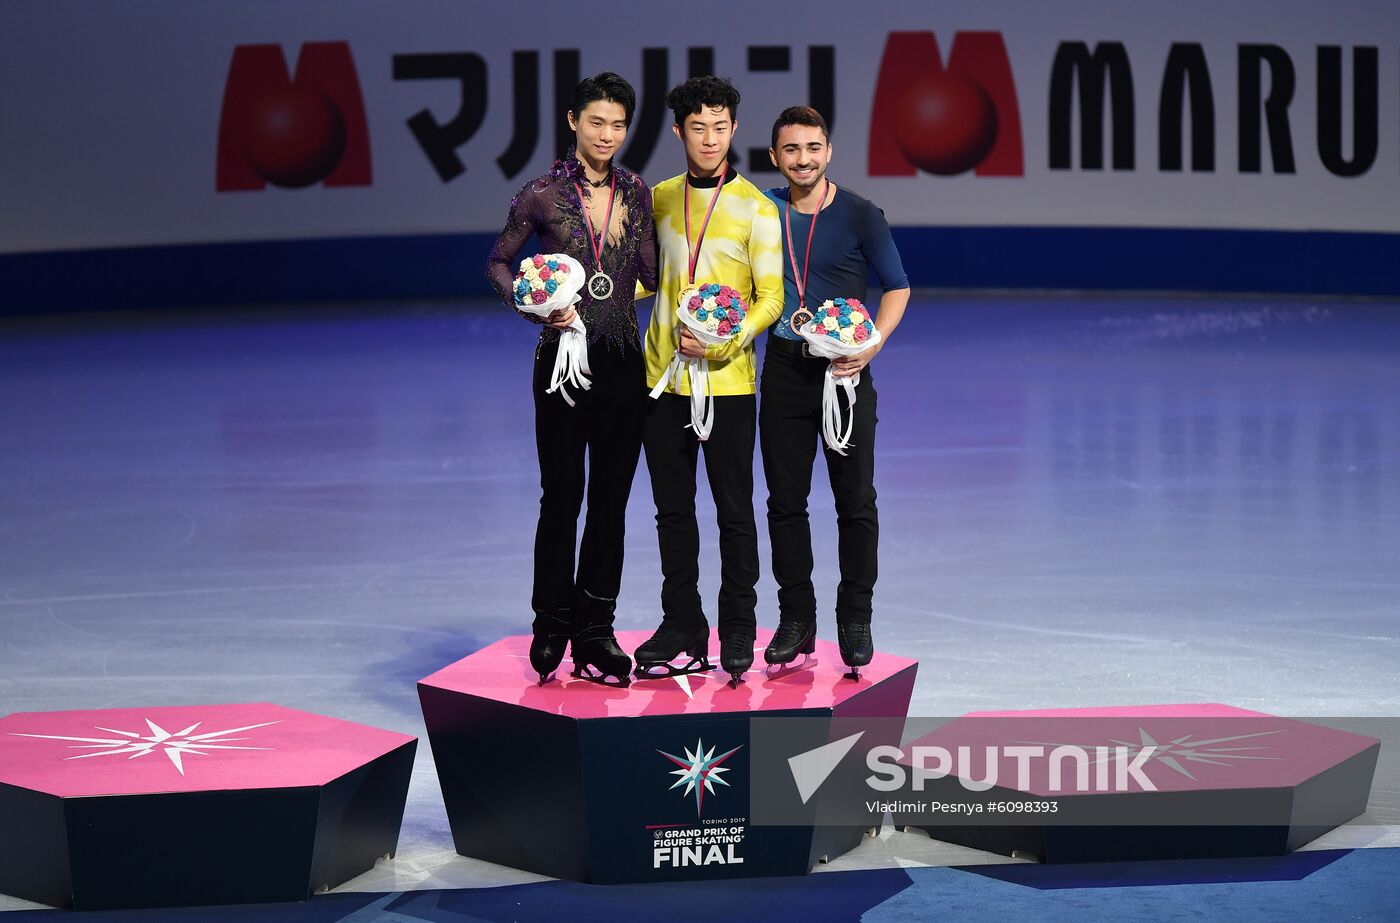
(714,314)
(547,283)
(840,327)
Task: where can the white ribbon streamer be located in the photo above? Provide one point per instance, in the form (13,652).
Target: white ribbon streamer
(836,436)
(696,372)
(571,362)
(671,376)
(836,439)
(571,359)
(702,401)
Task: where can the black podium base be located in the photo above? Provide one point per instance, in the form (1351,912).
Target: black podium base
(647,783)
(217,804)
(1225,782)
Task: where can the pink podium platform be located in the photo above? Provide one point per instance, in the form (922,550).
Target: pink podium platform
(581,781)
(208,804)
(1206,781)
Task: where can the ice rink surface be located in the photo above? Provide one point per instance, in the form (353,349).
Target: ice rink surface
(1084,502)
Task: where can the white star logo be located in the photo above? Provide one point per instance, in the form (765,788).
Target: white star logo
(1173,752)
(698,770)
(683,680)
(173,745)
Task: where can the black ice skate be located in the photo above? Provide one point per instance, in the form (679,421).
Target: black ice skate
(549,643)
(736,654)
(601,661)
(655,655)
(856,646)
(597,658)
(791,639)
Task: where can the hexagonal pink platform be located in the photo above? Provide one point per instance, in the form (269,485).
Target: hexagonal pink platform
(208,804)
(501,672)
(1139,782)
(573,779)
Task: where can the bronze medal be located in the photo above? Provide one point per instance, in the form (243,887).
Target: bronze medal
(800,318)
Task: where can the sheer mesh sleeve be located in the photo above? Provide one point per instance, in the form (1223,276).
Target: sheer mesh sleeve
(520,227)
(550,209)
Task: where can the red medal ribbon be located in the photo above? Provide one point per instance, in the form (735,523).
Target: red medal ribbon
(699,242)
(801,280)
(596,241)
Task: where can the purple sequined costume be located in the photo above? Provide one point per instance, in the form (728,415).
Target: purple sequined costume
(549,208)
(607,421)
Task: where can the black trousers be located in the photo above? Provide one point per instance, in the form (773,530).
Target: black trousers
(607,425)
(789,432)
(672,452)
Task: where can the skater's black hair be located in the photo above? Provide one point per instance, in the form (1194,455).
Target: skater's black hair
(608,86)
(798,115)
(703,92)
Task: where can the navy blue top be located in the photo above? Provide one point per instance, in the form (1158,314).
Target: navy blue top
(852,238)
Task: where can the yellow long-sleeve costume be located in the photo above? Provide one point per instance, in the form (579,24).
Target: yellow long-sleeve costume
(743,248)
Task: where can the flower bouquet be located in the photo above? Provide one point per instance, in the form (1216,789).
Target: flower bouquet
(714,313)
(544,284)
(840,327)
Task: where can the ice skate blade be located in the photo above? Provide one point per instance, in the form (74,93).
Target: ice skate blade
(591,674)
(735,679)
(671,671)
(807,649)
(779,670)
(852,674)
(546,678)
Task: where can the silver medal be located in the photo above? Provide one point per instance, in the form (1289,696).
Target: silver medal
(600,286)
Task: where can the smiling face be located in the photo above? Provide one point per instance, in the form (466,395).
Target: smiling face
(599,131)
(802,154)
(706,135)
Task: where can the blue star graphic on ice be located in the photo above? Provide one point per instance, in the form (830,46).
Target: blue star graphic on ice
(698,770)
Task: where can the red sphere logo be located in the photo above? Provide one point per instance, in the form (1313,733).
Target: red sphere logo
(293,136)
(292,130)
(945,124)
(945,120)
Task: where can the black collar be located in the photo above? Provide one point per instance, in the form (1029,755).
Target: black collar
(711,182)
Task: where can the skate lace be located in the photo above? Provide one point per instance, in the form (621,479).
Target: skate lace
(853,635)
(731,645)
(789,633)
